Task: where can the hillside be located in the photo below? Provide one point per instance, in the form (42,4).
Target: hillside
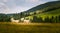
(44,9)
(46,6)
(47,9)
(49,14)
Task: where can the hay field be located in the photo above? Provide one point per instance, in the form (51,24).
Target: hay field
(29,28)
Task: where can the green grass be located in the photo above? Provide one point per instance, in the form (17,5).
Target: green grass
(49,14)
(29,28)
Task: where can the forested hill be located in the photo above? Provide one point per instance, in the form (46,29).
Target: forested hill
(42,8)
(46,6)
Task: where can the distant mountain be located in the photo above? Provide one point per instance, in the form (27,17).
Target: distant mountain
(46,6)
(44,10)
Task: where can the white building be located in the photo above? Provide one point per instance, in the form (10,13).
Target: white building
(13,20)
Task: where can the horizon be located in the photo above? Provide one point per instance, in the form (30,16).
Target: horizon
(17,6)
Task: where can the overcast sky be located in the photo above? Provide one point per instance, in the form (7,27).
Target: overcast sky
(17,6)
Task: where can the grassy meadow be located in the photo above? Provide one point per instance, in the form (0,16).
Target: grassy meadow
(29,28)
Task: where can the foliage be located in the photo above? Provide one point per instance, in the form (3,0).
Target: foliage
(52,19)
(4,18)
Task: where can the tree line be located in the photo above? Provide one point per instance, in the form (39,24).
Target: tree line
(4,18)
(52,19)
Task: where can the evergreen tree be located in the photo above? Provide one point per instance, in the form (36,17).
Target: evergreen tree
(52,19)
(40,19)
(34,19)
(59,18)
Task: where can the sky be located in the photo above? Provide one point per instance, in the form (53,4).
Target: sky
(17,6)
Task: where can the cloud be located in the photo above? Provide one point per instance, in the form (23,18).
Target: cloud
(5,0)
(18,9)
(3,8)
(1,4)
(33,1)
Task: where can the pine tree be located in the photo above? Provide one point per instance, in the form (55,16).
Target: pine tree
(47,20)
(40,19)
(59,18)
(34,19)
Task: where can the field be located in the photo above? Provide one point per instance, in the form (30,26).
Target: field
(29,28)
